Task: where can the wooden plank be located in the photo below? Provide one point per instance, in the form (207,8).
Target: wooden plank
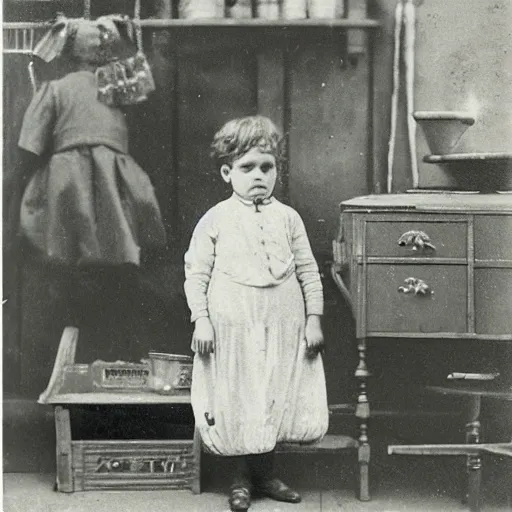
(43,318)
(118,398)
(214,87)
(154,23)
(196,482)
(330,443)
(64,450)
(153,132)
(17,94)
(328,141)
(65,357)
(271,91)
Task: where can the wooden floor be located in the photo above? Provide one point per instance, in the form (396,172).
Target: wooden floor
(400,484)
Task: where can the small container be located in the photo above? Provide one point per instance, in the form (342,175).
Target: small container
(241,9)
(326,9)
(295,9)
(170,372)
(268,9)
(443,129)
(201,9)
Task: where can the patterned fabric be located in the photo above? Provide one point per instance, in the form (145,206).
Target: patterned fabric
(91,202)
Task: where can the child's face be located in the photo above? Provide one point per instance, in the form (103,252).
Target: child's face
(253,175)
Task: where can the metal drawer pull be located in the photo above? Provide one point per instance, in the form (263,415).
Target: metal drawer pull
(415,286)
(419,240)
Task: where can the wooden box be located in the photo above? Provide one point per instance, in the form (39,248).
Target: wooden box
(134,465)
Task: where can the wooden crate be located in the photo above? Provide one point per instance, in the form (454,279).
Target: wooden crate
(134,465)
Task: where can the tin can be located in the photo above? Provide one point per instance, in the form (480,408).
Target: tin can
(326,8)
(268,9)
(241,9)
(197,9)
(294,9)
(170,372)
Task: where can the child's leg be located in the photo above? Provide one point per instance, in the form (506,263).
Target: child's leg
(240,490)
(261,467)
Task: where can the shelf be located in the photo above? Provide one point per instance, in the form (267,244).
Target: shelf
(487,159)
(341,23)
(121,398)
(482,171)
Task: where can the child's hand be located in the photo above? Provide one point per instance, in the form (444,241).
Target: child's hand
(314,336)
(203,337)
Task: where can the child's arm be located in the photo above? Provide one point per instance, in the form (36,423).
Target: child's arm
(199,261)
(308,275)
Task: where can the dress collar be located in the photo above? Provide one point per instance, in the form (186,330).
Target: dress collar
(247,202)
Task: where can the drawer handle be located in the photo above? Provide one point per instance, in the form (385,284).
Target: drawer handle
(417,240)
(415,286)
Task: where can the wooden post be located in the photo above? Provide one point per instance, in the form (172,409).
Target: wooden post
(65,357)
(356,43)
(363,414)
(64,466)
(474,461)
(196,483)
(272,97)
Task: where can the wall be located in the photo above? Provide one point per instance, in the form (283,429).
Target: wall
(205,77)
(463,57)
(336,128)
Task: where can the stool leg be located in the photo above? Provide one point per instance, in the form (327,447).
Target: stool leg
(196,482)
(474,462)
(63,432)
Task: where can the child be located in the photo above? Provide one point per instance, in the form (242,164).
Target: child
(254,291)
(88,208)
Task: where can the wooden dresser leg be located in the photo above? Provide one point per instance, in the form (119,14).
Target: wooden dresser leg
(363,415)
(63,434)
(474,462)
(196,483)
(363,456)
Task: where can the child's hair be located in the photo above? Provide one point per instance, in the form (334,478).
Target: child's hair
(239,136)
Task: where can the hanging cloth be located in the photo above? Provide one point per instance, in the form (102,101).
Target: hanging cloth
(127,81)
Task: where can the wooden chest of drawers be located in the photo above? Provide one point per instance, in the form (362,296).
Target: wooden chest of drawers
(430,265)
(424,266)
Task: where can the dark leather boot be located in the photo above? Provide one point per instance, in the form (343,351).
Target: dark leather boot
(279,491)
(261,467)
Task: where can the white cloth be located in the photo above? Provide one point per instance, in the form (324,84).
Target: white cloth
(258,386)
(253,273)
(256,248)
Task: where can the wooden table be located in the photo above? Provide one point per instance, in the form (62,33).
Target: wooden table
(473,393)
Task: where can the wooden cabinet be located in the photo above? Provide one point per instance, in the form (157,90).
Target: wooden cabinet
(425,266)
(430,265)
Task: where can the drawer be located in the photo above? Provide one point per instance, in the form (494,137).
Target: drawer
(129,465)
(389,310)
(448,238)
(493,237)
(493,301)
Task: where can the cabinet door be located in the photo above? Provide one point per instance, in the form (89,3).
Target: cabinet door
(391,311)
(493,301)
